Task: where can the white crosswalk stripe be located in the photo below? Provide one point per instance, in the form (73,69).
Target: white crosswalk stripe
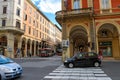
(90,73)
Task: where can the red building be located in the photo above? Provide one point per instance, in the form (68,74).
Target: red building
(91,25)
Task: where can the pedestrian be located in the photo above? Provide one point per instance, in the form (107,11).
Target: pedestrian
(18,52)
(28,53)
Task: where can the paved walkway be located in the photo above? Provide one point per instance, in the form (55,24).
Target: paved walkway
(90,73)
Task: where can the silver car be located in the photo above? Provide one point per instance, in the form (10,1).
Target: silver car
(2,75)
(9,69)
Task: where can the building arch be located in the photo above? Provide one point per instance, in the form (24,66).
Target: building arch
(3,44)
(78,38)
(33,46)
(108,22)
(23,49)
(70,27)
(29,47)
(108,40)
(37,48)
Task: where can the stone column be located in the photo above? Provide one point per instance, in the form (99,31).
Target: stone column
(19,42)
(93,35)
(71,48)
(64,37)
(89,42)
(97,45)
(119,45)
(25,49)
(35,48)
(31,47)
(10,45)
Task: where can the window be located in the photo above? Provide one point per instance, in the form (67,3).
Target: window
(18,12)
(3,22)
(4,9)
(33,22)
(40,34)
(76,4)
(19,2)
(36,33)
(18,24)
(25,17)
(105,4)
(29,30)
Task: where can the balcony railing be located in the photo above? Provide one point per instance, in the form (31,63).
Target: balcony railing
(12,29)
(81,11)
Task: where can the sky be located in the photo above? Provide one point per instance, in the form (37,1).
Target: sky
(49,8)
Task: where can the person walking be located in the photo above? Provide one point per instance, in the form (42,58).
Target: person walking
(18,53)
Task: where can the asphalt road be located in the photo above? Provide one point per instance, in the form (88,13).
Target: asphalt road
(112,69)
(37,68)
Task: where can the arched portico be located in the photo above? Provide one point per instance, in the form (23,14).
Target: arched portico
(23,49)
(78,39)
(3,44)
(108,40)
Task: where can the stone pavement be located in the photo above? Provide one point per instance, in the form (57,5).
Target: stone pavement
(87,73)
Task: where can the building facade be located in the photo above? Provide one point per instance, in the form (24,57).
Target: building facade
(90,25)
(23,26)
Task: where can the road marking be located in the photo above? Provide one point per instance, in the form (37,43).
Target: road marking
(91,73)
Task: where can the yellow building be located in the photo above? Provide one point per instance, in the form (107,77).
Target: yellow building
(24,27)
(90,25)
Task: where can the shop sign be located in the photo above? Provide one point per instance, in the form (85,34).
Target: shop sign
(105,43)
(65,43)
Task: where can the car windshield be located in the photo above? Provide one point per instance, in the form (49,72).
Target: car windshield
(5,60)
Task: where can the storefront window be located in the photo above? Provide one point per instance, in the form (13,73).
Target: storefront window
(106,48)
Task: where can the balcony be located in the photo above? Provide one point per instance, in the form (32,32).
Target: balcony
(12,29)
(74,13)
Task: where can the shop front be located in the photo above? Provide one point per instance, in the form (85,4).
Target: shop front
(105,49)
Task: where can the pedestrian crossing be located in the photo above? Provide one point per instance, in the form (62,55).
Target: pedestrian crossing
(87,73)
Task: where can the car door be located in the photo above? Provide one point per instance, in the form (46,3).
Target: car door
(91,58)
(80,60)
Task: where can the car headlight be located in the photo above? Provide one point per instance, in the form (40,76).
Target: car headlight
(65,61)
(5,69)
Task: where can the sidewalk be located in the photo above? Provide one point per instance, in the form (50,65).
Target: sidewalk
(109,59)
(37,57)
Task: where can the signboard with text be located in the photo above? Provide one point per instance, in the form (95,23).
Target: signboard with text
(65,43)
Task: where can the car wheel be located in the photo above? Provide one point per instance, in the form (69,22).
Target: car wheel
(70,65)
(96,64)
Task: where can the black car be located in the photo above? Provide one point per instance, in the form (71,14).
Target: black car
(83,59)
